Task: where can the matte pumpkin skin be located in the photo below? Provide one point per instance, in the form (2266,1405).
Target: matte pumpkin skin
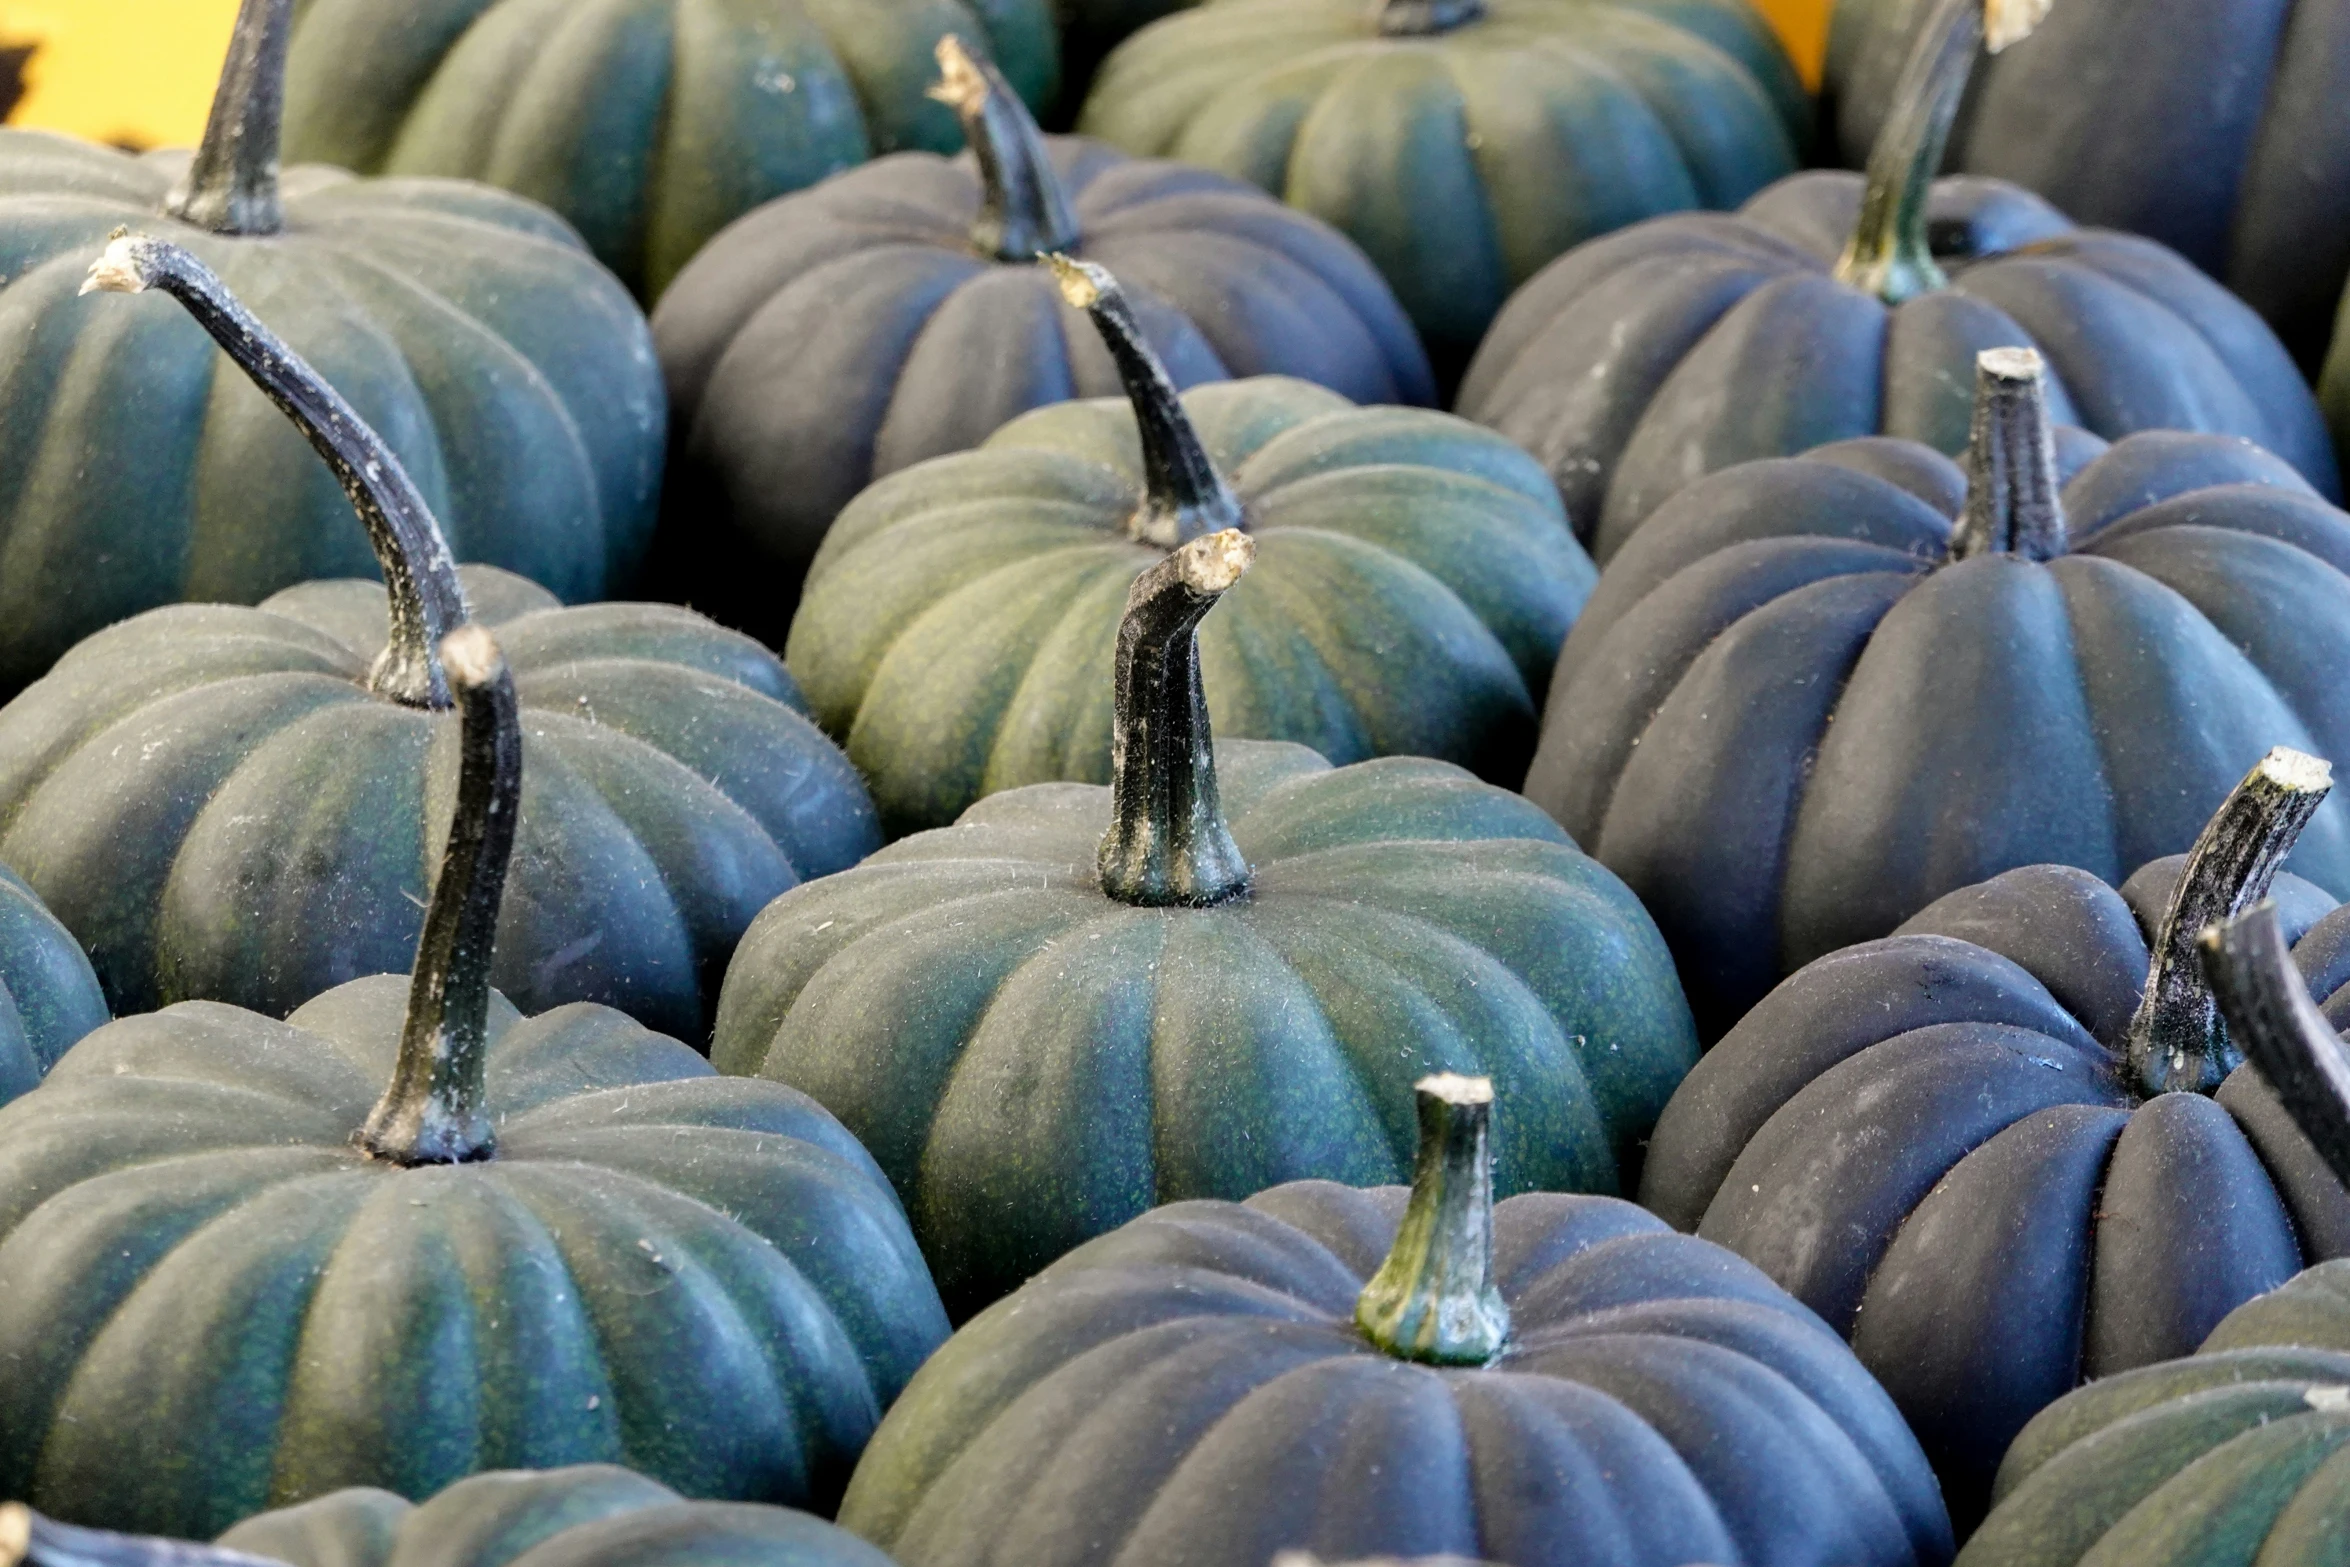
(1935,1142)
(1464,161)
(1789,726)
(277,834)
(2241,1451)
(1414,579)
(839,335)
(649,124)
(1193,1389)
(1651,358)
(582,1515)
(512,376)
(49,997)
(1034,1063)
(218,1304)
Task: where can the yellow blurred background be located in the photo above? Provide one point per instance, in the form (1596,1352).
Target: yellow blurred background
(140,71)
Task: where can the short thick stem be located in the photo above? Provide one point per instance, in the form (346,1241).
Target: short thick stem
(1426,18)
(231,183)
(1023,211)
(1168,844)
(2012,502)
(2179,1039)
(2288,1040)
(1185,497)
(432,1113)
(29,1540)
(420,579)
(1433,1299)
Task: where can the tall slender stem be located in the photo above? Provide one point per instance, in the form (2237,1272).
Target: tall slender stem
(1425,18)
(2179,1038)
(1168,844)
(1023,211)
(1185,496)
(432,1113)
(29,1540)
(2012,502)
(2289,1041)
(1433,1299)
(420,578)
(231,184)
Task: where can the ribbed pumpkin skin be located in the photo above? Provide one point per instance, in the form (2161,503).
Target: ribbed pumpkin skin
(582,1515)
(650,124)
(1034,1064)
(1464,161)
(1653,357)
(218,1304)
(1193,1390)
(275,834)
(2239,1452)
(514,379)
(842,334)
(1934,1141)
(1789,727)
(1414,578)
(48,995)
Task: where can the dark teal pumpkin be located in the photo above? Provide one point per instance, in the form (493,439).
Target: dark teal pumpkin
(49,997)
(242,1271)
(650,124)
(512,376)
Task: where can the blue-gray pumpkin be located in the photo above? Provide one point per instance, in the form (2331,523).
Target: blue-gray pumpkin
(49,995)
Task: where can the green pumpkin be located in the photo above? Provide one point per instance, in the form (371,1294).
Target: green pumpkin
(650,124)
(1078,1002)
(231,804)
(49,997)
(512,375)
(242,1271)
(1418,576)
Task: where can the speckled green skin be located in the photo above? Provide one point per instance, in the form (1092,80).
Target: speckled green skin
(584,1515)
(211,800)
(2240,1452)
(217,1304)
(1465,161)
(651,124)
(1034,1064)
(48,995)
(1414,578)
(513,377)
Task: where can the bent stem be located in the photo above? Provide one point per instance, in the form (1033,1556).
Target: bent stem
(432,1113)
(231,183)
(2271,1014)
(1023,211)
(1185,497)
(29,1540)
(1426,18)
(2012,503)
(1168,844)
(420,578)
(1434,1299)
(2179,1038)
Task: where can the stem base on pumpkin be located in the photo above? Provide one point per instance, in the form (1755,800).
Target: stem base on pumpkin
(1434,1299)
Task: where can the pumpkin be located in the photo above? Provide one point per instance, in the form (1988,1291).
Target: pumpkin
(649,126)
(1418,577)
(2010,1147)
(1464,143)
(1833,306)
(48,995)
(900,311)
(2237,1452)
(1548,1380)
(243,1271)
(231,803)
(1077,1002)
(1815,694)
(513,377)
(2208,126)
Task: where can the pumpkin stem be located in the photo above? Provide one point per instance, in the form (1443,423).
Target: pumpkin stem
(2270,1011)
(29,1540)
(1186,496)
(2012,503)
(1433,1299)
(426,600)
(1426,18)
(231,183)
(1889,254)
(1023,211)
(2179,1039)
(432,1113)
(1167,845)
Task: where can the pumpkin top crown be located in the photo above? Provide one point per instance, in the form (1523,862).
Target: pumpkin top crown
(1434,1298)
(231,183)
(2270,1013)
(1023,209)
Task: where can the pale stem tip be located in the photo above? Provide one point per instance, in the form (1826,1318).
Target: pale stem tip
(1082,283)
(2007,22)
(2011,364)
(117,270)
(2297,770)
(1215,561)
(470,657)
(960,85)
